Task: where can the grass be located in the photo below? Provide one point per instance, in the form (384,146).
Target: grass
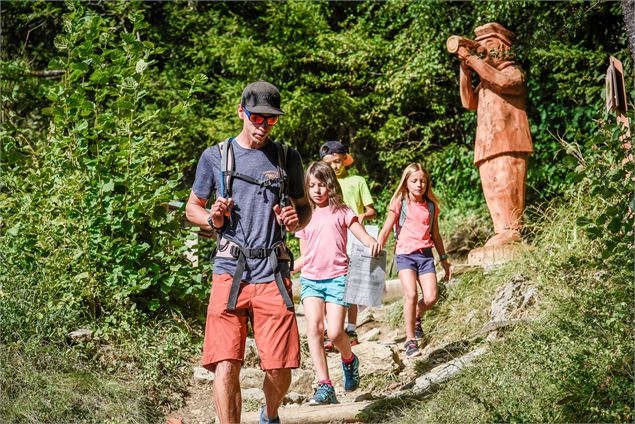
(133,378)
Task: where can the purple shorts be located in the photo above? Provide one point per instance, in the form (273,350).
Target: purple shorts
(420,261)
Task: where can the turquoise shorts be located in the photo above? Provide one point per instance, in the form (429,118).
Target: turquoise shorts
(330,290)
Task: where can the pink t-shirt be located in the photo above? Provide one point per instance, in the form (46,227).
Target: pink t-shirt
(415,232)
(326,235)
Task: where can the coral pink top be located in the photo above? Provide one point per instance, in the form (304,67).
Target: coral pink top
(415,233)
(326,236)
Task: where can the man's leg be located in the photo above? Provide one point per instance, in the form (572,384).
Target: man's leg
(276,333)
(275,386)
(224,345)
(227,397)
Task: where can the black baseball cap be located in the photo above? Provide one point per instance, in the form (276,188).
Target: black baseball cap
(262,97)
(336,146)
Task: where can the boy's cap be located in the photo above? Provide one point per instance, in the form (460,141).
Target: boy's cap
(261,97)
(336,146)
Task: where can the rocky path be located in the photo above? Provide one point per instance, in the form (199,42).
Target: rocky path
(384,369)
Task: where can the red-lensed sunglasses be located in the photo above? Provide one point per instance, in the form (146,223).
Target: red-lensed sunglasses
(260,119)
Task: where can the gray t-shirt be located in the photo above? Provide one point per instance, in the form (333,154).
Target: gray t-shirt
(254,223)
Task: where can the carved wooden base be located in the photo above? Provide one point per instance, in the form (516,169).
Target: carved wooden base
(495,255)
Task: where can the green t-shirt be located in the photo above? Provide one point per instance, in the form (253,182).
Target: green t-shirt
(356,193)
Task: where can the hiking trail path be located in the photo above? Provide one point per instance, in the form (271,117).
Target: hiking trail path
(385,371)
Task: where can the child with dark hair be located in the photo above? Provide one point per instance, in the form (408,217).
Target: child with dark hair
(357,196)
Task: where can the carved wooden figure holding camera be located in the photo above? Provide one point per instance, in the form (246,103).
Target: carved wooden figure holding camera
(503,142)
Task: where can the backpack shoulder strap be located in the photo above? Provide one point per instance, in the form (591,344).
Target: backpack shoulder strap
(403,212)
(283,151)
(227,165)
(430,204)
(402,216)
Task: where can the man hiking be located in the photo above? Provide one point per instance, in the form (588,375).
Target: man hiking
(258,186)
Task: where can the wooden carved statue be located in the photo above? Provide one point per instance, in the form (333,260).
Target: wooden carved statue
(503,142)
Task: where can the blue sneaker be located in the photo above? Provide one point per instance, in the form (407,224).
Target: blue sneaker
(265,420)
(351,374)
(324,394)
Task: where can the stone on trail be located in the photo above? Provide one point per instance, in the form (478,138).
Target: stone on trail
(444,372)
(253,395)
(293,398)
(202,375)
(302,381)
(371,335)
(251,378)
(80,334)
(513,299)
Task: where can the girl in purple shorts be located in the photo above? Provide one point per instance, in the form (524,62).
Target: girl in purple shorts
(324,265)
(414,212)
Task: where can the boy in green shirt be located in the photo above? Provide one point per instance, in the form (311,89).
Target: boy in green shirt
(356,196)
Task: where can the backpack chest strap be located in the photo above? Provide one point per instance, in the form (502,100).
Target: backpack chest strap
(262,183)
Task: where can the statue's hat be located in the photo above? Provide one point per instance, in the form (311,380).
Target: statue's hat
(494,29)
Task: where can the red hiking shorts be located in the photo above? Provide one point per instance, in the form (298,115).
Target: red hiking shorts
(275,327)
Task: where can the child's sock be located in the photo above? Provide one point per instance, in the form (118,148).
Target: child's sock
(326,381)
(350,327)
(349,360)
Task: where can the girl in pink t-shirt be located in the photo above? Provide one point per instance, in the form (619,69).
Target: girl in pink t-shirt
(323,278)
(416,235)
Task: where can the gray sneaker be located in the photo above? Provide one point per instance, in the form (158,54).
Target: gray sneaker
(412,349)
(418,329)
(324,395)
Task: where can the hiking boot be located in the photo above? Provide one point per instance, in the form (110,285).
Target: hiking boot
(324,395)
(265,420)
(412,349)
(418,329)
(351,374)
(353,337)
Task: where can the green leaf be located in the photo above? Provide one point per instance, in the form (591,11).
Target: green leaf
(81,126)
(154,304)
(141,66)
(82,276)
(177,109)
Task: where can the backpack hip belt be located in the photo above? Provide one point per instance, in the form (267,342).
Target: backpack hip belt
(276,254)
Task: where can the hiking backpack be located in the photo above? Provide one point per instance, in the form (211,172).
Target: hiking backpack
(231,248)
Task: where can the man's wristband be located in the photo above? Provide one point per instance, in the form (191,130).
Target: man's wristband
(211,223)
(443,257)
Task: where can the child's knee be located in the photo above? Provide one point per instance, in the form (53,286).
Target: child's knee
(428,301)
(410,297)
(335,333)
(315,330)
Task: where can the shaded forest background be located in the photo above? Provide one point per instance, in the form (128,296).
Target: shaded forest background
(106,107)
